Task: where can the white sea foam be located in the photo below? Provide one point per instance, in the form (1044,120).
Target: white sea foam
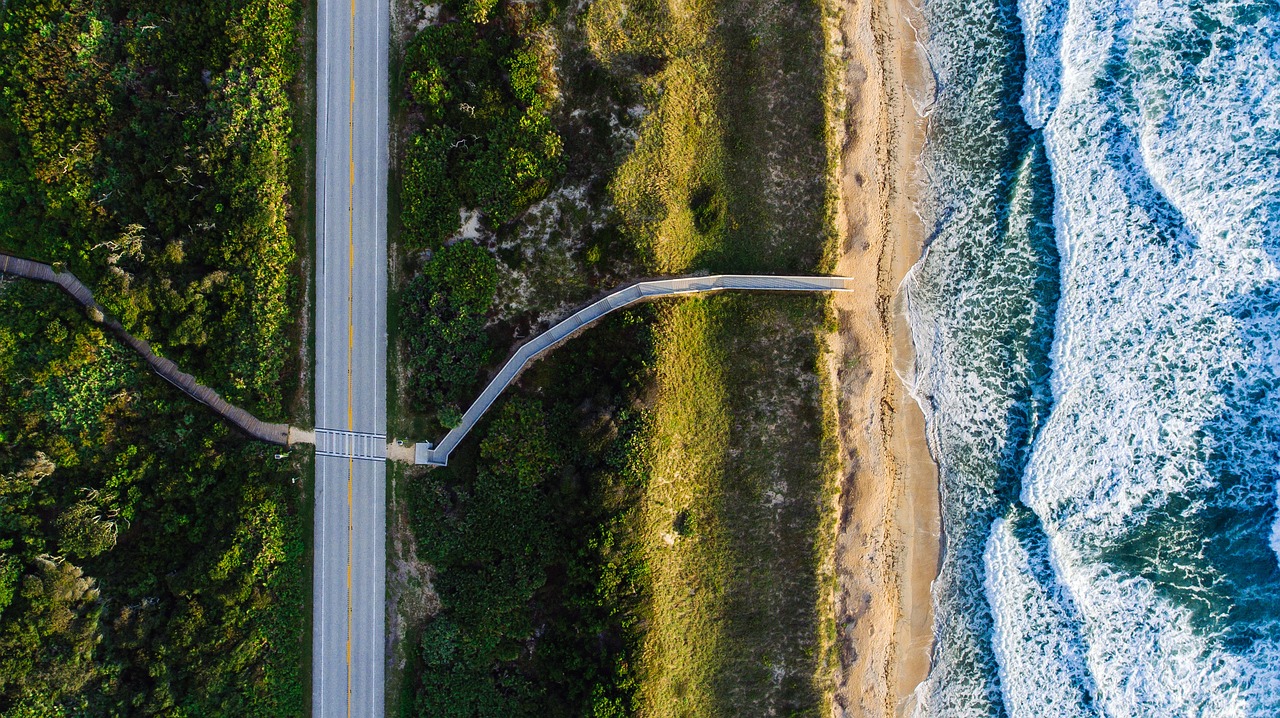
(1167,347)
(1275,527)
(1147,659)
(1041,35)
(1042,661)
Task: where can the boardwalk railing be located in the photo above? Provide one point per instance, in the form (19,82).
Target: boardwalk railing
(425,453)
(246,422)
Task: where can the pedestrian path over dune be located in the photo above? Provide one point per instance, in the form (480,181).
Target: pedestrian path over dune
(425,453)
(243,420)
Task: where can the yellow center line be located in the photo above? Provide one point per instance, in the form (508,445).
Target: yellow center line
(351,261)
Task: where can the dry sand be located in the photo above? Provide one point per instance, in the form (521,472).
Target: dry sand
(888,540)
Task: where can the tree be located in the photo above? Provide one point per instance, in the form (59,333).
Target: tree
(82,532)
(514,166)
(443,310)
(429,197)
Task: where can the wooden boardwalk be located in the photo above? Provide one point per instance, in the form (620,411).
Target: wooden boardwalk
(425,453)
(241,419)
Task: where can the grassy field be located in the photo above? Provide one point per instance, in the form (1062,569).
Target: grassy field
(737,519)
(728,170)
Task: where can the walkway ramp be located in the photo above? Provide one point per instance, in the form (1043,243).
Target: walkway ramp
(246,422)
(425,453)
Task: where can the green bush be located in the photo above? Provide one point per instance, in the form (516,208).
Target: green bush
(513,168)
(429,196)
(443,312)
(478,11)
(539,577)
(148,146)
(486,142)
(428,89)
(518,446)
(495,541)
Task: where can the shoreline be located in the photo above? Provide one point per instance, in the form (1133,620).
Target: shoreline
(888,543)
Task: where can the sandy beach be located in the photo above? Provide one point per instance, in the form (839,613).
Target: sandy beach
(888,542)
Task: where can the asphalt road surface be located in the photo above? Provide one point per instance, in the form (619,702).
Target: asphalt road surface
(351,278)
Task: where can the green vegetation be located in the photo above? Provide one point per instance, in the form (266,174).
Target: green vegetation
(485,139)
(147,146)
(151,561)
(728,172)
(646,527)
(443,315)
(537,569)
(597,558)
(735,523)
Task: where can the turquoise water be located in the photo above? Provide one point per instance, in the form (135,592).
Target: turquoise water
(1097,323)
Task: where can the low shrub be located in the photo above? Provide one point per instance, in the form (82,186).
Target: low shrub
(485,140)
(443,312)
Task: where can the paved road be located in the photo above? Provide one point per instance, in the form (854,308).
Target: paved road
(350,518)
(424,453)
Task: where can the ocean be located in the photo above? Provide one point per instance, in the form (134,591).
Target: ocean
(1097,326)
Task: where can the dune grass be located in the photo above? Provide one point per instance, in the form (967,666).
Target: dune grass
(737,514)
(728,171)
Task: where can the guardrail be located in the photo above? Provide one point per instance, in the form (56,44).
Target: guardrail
(425,453)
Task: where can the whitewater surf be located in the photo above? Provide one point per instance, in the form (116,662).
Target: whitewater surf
(1097,325)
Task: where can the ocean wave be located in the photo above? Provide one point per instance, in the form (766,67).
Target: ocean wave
(1145,582)
(1036,637)
(1042,37)
(1148,657)
(979,304)
(1155,474)
(1275,527)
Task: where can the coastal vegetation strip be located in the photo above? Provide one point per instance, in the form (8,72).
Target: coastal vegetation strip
(736,520)
(151,561)
(588,315)
(241,419)
(595,615)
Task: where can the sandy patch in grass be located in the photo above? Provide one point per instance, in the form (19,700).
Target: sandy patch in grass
(411,598)
(544,276)
(409,17)
(888,539)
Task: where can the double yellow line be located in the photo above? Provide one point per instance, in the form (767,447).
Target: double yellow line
(351,333)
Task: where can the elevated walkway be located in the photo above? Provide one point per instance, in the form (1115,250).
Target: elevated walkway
(241,419)
(438,455)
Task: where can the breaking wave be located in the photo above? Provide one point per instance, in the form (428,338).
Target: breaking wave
(1097,321)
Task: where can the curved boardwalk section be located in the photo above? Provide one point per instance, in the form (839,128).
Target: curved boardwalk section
(243,420)
(425,453)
